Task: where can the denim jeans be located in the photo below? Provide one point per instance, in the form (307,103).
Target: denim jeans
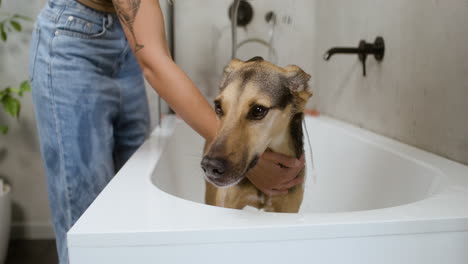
(90,105)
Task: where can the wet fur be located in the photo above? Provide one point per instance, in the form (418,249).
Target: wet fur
(286,91)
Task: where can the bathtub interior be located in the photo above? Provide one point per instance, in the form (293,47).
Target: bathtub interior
(353,173)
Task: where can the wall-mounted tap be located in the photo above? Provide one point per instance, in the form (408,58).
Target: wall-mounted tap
(243,11)
(377,49)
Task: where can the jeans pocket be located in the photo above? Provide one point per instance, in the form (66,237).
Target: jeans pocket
(34,45)
(80,27)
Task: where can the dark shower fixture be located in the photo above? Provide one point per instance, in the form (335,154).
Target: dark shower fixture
(244,13)
(270,16)
(377,49)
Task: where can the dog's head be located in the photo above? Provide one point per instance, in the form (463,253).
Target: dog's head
(256,104)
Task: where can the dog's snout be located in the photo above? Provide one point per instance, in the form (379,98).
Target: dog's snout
(214,167)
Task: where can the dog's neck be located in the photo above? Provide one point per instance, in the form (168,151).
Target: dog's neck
(290,142)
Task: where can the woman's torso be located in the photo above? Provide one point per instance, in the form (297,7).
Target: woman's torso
(101,5)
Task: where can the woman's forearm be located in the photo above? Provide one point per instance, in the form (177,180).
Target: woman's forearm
(176,88)
(143,24)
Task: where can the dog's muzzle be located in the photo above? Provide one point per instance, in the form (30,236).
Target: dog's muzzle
(221,173)
(216,171)
(214,168)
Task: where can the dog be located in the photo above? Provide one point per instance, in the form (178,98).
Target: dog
(260,107)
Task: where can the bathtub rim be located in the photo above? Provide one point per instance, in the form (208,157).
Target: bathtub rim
(91,228)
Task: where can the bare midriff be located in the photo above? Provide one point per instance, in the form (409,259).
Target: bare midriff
(101,5)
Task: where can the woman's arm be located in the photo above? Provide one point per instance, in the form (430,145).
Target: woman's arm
(143,23)
(144,26)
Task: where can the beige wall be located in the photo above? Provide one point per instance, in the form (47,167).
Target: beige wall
(419,93)
(203,37)
(20,162)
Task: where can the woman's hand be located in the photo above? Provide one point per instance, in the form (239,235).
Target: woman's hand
(275,173)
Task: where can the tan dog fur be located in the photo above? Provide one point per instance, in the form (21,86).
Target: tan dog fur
(284,92)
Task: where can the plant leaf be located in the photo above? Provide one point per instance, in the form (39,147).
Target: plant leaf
(25,86)
(4,92)
(15,90)
(16,25)
(22,17)
(3,128)
(3,34)
(11,105)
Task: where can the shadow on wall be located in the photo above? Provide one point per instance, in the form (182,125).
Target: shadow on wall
(3,154)
(18,214)
(16,210)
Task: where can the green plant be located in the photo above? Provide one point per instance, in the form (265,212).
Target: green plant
(9,96)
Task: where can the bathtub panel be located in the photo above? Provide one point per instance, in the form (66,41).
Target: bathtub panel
(434,248)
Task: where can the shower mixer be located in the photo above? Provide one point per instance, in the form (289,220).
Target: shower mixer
(363,50)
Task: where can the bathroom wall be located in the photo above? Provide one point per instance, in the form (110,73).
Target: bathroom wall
(418,94)
(203,37)
(20,161)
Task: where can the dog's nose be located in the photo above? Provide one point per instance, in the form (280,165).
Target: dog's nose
(214,166)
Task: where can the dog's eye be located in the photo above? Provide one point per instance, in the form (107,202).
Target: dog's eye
(218,108)
(257,112)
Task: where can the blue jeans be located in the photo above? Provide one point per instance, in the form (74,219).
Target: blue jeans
(90,104)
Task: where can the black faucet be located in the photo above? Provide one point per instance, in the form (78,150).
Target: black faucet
(377,49)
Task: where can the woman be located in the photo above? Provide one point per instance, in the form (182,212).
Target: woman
(87,73)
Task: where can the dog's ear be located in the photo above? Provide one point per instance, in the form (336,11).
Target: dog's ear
(256,58)
(296,79)
(232,66)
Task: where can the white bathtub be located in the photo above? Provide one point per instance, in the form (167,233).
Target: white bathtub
(375,201)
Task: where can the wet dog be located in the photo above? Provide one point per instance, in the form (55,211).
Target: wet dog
(260,107)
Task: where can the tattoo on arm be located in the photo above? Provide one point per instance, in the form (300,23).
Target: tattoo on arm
(127,10)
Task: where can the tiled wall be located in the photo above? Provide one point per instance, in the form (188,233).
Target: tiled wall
(20,161)
(419,93)
(203,37)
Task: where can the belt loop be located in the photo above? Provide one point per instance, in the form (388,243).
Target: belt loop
(110,21)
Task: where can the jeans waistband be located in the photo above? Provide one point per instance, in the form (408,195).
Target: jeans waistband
(58,7)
